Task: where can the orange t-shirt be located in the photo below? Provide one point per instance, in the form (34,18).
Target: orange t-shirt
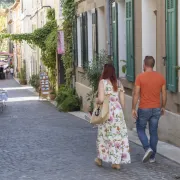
(150,84)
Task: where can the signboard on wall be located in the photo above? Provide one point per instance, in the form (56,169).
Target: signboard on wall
(44,83)
(60,42)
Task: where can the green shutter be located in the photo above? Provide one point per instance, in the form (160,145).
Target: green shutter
(171,44)
(130,40)
(115,36)
(75,49)
(84,39)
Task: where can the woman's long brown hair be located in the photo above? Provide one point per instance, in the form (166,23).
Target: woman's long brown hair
(109,73)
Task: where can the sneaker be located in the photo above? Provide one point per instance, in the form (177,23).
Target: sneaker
(147,155)
(152,160)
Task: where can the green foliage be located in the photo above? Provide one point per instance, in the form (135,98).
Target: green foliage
(93,72)
(51,14)
(67,99)
(18,75)
(63,93)
(35,81)
(45,38)
(22,76)
(69,15)
(94,69)
(71,103)
(124,67)
(52,79)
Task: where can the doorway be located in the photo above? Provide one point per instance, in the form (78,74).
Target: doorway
(61,70)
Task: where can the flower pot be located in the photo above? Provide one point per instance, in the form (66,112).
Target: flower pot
(23,82)
(52,97)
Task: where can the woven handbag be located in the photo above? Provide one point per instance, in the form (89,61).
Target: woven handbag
(101,112)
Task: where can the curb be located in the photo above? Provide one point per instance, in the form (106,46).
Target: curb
(16,79)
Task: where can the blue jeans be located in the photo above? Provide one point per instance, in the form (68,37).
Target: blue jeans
(152,117)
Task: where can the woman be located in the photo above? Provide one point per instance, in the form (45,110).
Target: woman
(112,140)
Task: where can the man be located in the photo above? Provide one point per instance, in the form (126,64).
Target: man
(149,87)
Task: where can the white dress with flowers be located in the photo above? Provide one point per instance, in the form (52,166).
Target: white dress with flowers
(112,139)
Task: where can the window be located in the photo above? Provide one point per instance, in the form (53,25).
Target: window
(84,38)
(79,42)
(94,32)
(90,35)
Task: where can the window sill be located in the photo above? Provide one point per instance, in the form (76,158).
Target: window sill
(80,69)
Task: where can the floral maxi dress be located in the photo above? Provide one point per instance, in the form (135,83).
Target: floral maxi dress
(112,140)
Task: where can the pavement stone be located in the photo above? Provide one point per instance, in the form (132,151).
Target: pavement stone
(37,142)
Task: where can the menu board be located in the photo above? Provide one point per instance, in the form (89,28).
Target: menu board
(44,83)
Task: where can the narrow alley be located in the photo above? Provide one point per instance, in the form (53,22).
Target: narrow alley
(39,143)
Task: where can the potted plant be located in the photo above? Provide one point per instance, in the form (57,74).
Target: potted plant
(52,95)
(35,82)
(93,72)
(22,75)
(67,99)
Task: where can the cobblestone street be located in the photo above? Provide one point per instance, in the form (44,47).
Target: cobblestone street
(37,142)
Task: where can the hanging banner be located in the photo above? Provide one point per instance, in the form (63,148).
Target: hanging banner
(60,42)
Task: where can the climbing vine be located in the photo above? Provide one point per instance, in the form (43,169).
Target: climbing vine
(45,38)
(69,15)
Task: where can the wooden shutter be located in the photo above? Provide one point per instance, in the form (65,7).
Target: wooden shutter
(115,36)
(130,40)
(95,33)
(171,44)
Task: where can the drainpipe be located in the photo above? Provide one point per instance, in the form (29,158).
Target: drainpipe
(108,27)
